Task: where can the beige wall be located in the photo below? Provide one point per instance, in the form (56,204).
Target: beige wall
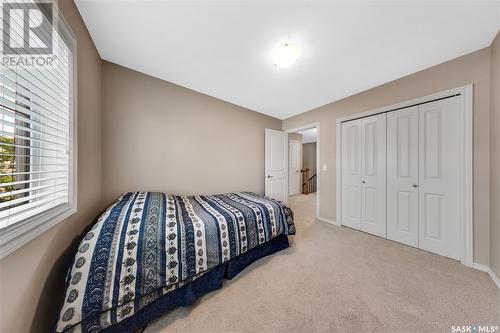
(495,157)
(309,157)
(32,277)
(472,68)
(163,137)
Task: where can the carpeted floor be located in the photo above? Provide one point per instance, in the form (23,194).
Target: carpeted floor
(334,279)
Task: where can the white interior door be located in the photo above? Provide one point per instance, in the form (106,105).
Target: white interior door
(276,164)
(294,166)
(351,174)
(402,176)
(373,175)
(439,177)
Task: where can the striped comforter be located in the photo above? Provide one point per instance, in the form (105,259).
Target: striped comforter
(148,244)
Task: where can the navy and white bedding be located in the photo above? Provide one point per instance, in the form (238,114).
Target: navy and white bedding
(148,244)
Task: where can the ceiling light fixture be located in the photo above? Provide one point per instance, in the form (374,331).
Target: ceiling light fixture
(285,55)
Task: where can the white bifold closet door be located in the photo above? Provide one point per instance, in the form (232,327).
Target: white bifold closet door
(373,175)
(439,177)
(415,165)
(423,177)
(364,174)
(402,176)
(351,174)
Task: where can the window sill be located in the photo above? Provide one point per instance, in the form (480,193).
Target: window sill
(17,235)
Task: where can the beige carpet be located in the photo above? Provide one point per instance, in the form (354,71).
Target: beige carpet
(334,279)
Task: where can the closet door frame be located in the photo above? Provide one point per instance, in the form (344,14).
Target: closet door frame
(465,94)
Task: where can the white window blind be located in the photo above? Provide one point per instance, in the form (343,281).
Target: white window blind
(36,136)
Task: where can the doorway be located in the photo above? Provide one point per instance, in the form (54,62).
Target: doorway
(303,165)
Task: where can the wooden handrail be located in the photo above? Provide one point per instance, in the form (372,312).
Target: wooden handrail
(309,184)
(305,177)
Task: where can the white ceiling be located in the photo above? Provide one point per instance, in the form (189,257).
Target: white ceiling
(223,49)
(309,135)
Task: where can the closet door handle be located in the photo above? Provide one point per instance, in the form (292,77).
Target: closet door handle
(363,181)
(415,185)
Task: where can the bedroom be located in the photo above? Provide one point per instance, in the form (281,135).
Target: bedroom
(178,99)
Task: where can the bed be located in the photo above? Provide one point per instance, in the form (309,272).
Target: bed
(151,252)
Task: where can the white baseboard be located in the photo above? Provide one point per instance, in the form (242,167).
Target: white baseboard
(480,267)
(323,219)
(488,270)
(494,277)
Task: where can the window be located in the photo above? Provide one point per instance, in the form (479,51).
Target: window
(14,157)
(37,143)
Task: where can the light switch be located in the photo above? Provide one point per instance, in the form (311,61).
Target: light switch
(324,167)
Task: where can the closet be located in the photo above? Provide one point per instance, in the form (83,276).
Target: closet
(401,175)
(364,174)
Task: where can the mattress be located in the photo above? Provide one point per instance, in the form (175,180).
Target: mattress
(148,245)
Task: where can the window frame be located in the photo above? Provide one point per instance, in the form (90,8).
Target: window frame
(15,236)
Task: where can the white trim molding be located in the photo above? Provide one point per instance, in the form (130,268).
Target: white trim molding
(318,169)
(480,267)
(324,219)
(465,94)
(494,277)
(488,270)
